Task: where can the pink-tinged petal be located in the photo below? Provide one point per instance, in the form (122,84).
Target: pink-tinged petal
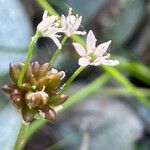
(63,21)
(56,41)
(96,62)
(110,62)
(102,48)
(77,23)
(80,49)
(84,61)
(91,42)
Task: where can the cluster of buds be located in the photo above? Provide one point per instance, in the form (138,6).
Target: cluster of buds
(34,97)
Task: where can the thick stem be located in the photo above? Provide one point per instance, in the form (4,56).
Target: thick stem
(29,55)
(21,136)
(57,51)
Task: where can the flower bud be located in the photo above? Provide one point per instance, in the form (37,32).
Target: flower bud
(35,67)
(8,88)
(17,97)
(60,100)
(29,73)
(54,81)
(42,82)
(43,70)
(50,114)
(14,72)
(36,99)
(28,114)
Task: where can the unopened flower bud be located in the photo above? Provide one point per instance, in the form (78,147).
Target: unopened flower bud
(60,100)
(35,67)
(43,82)
(54,81)
(27,114)
(7,89)
(43,70)
(14,72)
(16,97)
(29,73)
(50,114)
(36,99)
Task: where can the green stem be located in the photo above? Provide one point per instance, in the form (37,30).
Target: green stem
(57,51)
(68,83)
(29,55)
(21,136)
(44,4)
(70,80)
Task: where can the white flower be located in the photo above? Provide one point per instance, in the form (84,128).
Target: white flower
(49,27)
(71,23)
(94,55)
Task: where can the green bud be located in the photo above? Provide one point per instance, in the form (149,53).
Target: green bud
(14,72)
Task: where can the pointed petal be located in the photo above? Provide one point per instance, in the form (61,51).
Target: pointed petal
(80,49)
(63,21)
(77,23)
(102,48)
(45,14)
(84,61)
(91,42)
(110,62)
(56,41)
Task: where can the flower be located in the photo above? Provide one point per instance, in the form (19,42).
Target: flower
(71,23)
(49,27)
(94,55)
(33,99)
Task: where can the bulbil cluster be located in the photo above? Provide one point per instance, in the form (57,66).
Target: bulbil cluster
(34,97)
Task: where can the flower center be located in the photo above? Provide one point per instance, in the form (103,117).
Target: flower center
(92,57)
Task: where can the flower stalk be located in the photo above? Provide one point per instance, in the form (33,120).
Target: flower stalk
(21,136)
(68,83)
(55,56)
(29,55)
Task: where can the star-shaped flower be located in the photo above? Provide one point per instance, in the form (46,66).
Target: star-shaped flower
(94,55)
(71,24)
(49,27)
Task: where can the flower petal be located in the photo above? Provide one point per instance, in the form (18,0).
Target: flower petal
(102,48)
(91,42)
(56,41)
(45,14)
(63,21)
(84,61)
(77,23)
(110,62)
(80,49)
(96,62)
